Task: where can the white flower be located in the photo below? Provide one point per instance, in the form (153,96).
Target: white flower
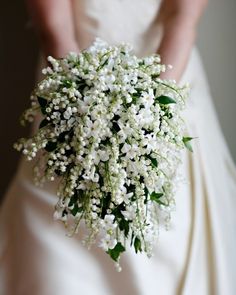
(126,147)
(67,114)
(108,243)
(130,212)
(104,155)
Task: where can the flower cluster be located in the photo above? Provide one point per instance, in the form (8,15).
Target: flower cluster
(112,132)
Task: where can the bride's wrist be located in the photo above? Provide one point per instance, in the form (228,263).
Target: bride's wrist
(59,48)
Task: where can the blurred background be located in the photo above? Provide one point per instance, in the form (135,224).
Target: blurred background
(18,60)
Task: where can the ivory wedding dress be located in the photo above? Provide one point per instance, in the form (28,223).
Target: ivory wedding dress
(196,256)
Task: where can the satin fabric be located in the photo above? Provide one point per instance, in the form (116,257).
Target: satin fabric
(194,256)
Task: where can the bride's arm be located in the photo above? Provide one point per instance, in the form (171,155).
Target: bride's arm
(179,19)
(53,20)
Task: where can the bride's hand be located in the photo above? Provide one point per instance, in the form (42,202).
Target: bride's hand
(53,20)
(179,19)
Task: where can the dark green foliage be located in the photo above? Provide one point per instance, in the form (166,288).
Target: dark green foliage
(122,222)
(58,172)
(73,199)
(74,202)
(155,196)
(153,161)
(51,146)
(186,141)
(115,127)
(67,83)
(61,137)
(105,142)
(76,209)
(135,97)
(105,204)
(43,123)
(124,226)
(146,195)
(163,99)
(116,251)
(43,104)
(137,245)
(81,85)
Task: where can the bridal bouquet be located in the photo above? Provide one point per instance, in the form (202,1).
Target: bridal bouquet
(112,133)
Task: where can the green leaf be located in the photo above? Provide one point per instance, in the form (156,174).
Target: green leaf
(61,137)
(105,63)
(153,197)
(155,76)
(43,104)
(137,245)
(116,251)
(186,141)
(132,239)
(135,98)
(42,101)
(115,127)
(105,142)
(86,55)
(156,196)
(105,204)
(58,172)
(146,191)
(73,199)
(153,161)
(43,123)
(81,84)
(51,146)
(122,222)
(67,83)
(76,209)
(163,99)
(124,226)
(139,90)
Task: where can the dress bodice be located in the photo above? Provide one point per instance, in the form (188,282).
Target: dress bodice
(132,21)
